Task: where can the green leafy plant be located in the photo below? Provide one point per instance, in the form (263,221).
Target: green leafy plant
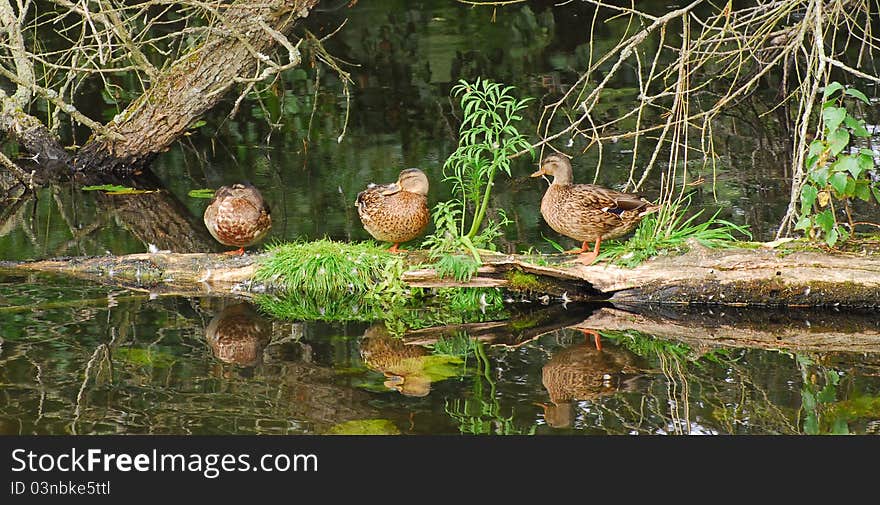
(487,138)
(834,172)
(669,230)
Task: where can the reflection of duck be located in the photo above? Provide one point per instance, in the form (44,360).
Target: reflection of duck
(402,364)
(238,216)
(585,372)
(586,212)
(238,334)
(396,212)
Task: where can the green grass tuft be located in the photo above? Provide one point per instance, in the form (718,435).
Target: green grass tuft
(326,270)
(669,231)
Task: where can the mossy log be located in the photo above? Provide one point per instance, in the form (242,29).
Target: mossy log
(733,277)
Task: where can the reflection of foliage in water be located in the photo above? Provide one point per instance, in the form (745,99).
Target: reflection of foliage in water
(480,413)
(823,410)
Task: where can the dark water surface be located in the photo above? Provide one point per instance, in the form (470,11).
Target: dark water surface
(80,358)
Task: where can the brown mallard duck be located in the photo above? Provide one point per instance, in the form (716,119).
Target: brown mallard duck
(587,212)
(238,216)
(396,212)
(238,334)
(586,372)
(402,365)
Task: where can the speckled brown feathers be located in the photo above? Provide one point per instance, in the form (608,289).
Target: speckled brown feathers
(402,365)
(582,372)
(237,215)
(238,335)
(396,212)
(586,212)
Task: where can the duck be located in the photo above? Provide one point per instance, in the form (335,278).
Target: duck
(587,212)
(402,365)
(237,216)
(584,372)
(396,212)
(238,334)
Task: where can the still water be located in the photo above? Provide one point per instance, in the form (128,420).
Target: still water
(83,358)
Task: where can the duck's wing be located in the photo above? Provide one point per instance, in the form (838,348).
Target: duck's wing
(375,193)
(609,200)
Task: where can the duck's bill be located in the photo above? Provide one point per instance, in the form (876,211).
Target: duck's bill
(539,173)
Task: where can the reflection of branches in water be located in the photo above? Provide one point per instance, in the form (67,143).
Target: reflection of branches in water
(480,413)
(712,392)
(144,377)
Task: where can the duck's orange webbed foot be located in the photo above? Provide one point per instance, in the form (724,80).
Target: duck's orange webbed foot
(236,252)
(396,248)
(589,258)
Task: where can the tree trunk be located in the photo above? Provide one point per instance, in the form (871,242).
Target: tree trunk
(193,85)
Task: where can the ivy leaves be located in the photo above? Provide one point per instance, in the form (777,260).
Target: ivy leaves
(834,172)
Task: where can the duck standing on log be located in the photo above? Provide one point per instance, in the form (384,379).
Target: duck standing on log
(396,212)
(587,212)
(238,216)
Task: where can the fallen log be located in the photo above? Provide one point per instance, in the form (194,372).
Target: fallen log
(732,277)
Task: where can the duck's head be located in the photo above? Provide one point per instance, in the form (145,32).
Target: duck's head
(556,165)
(413,180)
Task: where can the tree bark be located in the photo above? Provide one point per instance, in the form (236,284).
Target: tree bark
(193,85)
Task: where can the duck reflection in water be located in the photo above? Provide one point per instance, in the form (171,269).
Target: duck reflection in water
(586,371)
(238,335)
(402,365)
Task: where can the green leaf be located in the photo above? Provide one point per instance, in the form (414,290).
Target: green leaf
(831,237)
(831,89)
(825,220)
(866,161)
(201,193)
(853,92)
(808,197)
(113,189)
(863,190)
(837,141)
(840,427)
(876,191)
(832,117)
(848,163)
(820,176)
(857,126)
(816,147)
(811,425)
(804,223)
(838,182)
(808,401)
(553,243)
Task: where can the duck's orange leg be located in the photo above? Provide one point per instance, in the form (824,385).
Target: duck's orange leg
(396,248)
(596,339)
(584,248)
(236,252)
(589,258)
